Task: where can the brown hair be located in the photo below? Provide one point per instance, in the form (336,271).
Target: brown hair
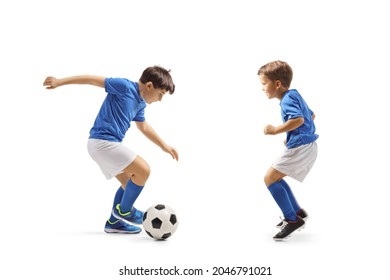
(277,70)
(159,77)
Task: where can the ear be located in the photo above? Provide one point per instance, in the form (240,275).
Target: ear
(278,83)
(149,85)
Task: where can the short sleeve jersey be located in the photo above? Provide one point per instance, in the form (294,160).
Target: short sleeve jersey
(122,105)
(294,106)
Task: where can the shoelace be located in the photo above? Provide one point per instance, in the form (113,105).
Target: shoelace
(284,224)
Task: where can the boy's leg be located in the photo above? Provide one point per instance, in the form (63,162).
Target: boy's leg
(290,194)
(130,195)
(292,221)
(298,210)
(117,200)
(132,179)
(279,193)
(113,225)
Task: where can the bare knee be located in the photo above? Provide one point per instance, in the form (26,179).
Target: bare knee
(267,180)
(138,171)
(273,176)
(143,173)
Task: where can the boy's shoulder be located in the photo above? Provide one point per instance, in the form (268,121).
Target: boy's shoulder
(293,92)
(290,95)
(118,80)
(121,84)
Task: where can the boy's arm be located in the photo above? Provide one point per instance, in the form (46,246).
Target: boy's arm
(52,83)
(289,125)
(149,132)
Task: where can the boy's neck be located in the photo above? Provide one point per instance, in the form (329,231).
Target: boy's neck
(281,93)
(141,88)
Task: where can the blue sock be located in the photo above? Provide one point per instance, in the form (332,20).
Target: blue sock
(117,199)
(282,199)
(293,201)
(130,195)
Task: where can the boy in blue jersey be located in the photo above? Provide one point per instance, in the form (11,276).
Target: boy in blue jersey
(301,147)
(125,102)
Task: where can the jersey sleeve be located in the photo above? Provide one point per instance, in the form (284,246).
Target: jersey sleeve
(140,117)
(292,108)
(116,86)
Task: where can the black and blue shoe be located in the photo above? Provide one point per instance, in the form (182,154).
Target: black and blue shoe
(301,213)
(288,227)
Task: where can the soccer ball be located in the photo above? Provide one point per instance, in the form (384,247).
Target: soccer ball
(160,221)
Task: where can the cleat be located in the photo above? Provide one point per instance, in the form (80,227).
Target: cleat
(288,227)
(121,227)
(301,213)
(134,216)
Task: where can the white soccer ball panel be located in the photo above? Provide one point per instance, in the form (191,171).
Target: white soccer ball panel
(152,212)
(167,227)
(164,215)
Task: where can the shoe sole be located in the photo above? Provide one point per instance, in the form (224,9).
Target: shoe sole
(121,231)
(288,236)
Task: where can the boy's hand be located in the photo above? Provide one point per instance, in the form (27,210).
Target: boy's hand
(269,130)
(172,151)
(50,83)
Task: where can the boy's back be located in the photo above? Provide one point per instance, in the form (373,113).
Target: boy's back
(294,106)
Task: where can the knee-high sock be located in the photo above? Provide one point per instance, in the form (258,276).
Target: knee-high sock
(293,200)
(117,199)
(282,199)
(130,195)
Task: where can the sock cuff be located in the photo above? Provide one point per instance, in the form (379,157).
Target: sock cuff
(274,187)
(131,183)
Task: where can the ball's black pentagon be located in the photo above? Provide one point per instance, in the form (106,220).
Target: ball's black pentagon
(173,219)
(144,218)
(166,235)
(149,233)
(160,206)
(156,223)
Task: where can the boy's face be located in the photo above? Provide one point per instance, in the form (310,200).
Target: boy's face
(152,94)
(269,87)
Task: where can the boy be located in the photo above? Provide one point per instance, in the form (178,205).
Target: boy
(125,102)
(301,148)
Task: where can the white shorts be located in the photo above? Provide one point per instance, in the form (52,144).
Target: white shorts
(112,157)
(297,162)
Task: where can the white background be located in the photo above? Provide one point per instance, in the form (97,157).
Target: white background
(54,200)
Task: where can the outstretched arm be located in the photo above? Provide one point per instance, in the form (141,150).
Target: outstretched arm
(52,83)
(149,132)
